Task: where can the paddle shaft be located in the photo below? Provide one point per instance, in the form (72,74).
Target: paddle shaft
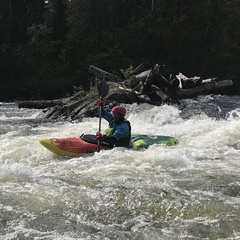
(103,89)
(99,129)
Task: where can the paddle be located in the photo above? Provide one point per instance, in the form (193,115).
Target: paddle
(103,89)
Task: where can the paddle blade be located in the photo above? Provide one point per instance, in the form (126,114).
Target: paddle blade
(102,88)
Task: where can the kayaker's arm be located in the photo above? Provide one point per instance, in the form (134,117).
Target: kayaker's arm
(110,140)
(106,115)
(106,139)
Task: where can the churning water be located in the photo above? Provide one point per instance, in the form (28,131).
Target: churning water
(188,191)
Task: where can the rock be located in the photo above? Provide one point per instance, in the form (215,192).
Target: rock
(73,108)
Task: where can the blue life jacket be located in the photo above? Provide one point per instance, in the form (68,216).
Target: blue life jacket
(118,135)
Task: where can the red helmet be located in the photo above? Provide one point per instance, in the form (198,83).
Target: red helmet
(119,109)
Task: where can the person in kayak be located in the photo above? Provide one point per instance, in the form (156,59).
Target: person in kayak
(119,132)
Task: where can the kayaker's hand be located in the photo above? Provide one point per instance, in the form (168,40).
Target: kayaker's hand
(99,137)
(100,102)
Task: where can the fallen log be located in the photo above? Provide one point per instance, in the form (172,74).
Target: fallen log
(209,80)
(162,97)
(214,88)
(41,104)
(140,68)
(103,74)
(139,79)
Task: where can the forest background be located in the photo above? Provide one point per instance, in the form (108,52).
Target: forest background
(46,47)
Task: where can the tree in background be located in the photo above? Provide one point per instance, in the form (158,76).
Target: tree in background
(16,17)
(55,16)
(227,47)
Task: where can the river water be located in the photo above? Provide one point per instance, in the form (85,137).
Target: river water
(188,191)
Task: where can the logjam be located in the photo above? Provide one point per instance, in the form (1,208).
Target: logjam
(155,86)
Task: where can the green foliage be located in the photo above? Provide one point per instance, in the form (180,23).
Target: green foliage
(12,71)
(126,72)
(49,76)
(44,57)
(39,44)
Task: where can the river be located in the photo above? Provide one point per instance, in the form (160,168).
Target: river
(188,191)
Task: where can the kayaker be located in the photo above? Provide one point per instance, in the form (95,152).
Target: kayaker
(119,132)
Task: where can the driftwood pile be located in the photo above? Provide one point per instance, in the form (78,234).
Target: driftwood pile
(158,85)
(150,85)
(155,86)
